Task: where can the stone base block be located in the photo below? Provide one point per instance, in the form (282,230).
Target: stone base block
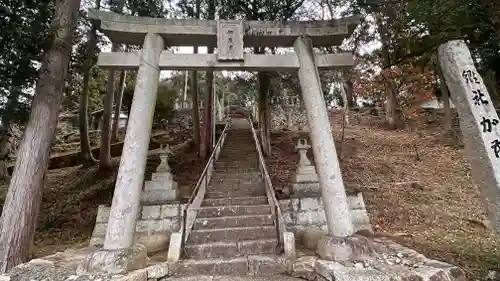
(311,237)
(307,213)
(174,249)
(265,265)
(154,242)
(289,245)
(306,189)
(115,261)
(157,192)
(307,178)
(162,177)
(353,248)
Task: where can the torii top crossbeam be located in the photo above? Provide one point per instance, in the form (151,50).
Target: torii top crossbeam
(190,32)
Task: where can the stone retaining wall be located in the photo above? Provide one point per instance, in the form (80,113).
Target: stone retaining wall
(153,228)
(307,213)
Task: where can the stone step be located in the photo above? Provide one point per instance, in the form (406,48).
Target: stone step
(235,266)
(241,210)
(234,172)
(232,167)
(249,177)
(257,200)
(232,182)
(199,277)
(254,265)
(231,249)
(239,135)
(211,194)
(236,160)
(234,221)
(232,160)
(202,236)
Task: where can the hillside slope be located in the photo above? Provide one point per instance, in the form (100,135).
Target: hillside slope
(417,190)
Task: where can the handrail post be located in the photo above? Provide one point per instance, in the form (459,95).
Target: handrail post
(273,201)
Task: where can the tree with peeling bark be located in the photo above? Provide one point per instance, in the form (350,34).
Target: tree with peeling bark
(195,94)
(86,156)
(209,84)
(22,41)
(118,105)
(105,150)
(22,205)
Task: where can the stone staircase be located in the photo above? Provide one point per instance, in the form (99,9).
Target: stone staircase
(234,232)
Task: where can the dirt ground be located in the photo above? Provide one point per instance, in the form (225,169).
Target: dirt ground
(416,187)
(71,197)
(417,190)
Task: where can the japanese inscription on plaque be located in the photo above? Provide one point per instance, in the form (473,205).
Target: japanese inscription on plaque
(230,40)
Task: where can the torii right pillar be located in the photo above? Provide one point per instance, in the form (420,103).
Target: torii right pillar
(335,246)
(479,122)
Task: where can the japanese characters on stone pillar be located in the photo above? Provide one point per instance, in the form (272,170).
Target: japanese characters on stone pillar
(306,182)
(162,188)
(479,122)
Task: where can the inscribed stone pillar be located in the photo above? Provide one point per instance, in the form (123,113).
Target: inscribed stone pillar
(126,198)
(479,122)
(337,213)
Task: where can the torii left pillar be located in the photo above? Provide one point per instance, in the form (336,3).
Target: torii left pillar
(119,253)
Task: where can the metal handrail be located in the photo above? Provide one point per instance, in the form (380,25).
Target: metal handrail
(203,178)
(271,196)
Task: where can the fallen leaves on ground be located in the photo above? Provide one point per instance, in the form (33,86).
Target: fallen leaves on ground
(416,188)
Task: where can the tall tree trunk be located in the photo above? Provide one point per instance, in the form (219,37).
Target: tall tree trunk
(118,106)
(5,132)
(129,108)
(105,150)
(186,82)
(348,87)
(347,104)
(22,205)
(196,110)
(207,124)
(445,96)
(448,116)
(5,140)
(264,115)
(390,108)
(86,156)
(194,95)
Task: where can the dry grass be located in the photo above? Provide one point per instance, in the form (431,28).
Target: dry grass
(427,202)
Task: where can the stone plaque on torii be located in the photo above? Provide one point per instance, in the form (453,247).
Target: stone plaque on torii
(230,37)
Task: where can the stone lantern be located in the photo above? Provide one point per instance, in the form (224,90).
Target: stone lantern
(306,182)
(162,187)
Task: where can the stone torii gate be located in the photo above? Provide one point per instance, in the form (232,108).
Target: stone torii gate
(230,38)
